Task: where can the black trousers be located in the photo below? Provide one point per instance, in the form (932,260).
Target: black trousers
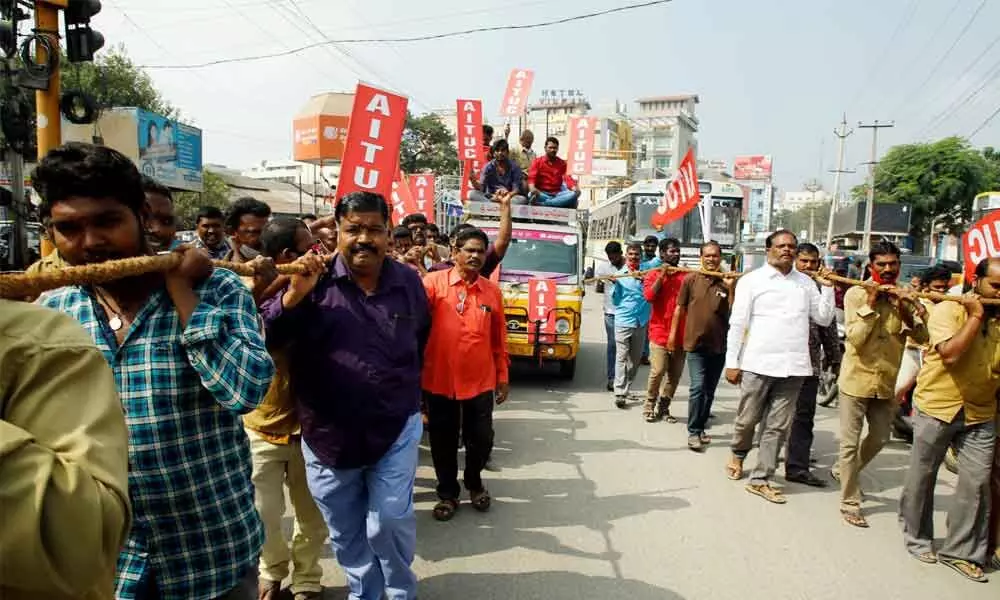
(800,436)
(474,418)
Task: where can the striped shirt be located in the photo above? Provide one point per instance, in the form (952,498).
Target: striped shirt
(183,390)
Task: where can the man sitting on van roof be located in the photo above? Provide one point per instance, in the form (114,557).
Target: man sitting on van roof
(501,175)
(547,181)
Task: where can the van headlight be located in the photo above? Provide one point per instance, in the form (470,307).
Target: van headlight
(562,326)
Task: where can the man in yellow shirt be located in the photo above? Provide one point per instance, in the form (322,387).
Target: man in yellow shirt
(956,403)
(877,325)
(276,448)
(64,507)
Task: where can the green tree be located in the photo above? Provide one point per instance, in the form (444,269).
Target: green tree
(939,180)
(428,145)
(187,204)
(111,80)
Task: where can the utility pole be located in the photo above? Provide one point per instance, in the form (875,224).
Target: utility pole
(866,241)
(841,134)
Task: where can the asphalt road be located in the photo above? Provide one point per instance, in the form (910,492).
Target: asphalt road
(593,503)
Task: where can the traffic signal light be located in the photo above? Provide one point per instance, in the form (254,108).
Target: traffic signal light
(10,14)
(82,42)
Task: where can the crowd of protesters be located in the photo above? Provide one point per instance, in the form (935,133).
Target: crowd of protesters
(210,396)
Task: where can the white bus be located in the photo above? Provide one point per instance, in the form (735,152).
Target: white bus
(627,216)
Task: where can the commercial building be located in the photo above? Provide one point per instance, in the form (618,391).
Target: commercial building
(664,128)
(295,173)
(754,173)
(798,200)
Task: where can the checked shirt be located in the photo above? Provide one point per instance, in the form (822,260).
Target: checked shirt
(183,390)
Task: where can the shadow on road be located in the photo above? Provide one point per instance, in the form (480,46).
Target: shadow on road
(551,585)
(523,506)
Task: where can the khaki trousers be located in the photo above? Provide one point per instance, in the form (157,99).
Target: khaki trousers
(855,454)
(274,467)
(665,370)
(995,490)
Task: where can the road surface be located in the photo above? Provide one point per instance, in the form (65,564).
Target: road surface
(593,503)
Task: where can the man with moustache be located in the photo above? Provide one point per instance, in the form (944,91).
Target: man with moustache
(631,317)
(703,307)
(767,355)
(824,345)
(465,371)
(188,358)
(355,333)
(661,289)
(210,228)
(956,400)
(876,326)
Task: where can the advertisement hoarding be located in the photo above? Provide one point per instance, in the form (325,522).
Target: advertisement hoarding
(319,137)
(163,148)
(753,167)
(609,167)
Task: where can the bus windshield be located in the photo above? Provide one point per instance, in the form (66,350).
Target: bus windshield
(532,253)
(687,230)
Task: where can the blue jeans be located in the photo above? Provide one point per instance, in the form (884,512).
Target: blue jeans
(704,371)
(369,511)
(564,199)
(609,329)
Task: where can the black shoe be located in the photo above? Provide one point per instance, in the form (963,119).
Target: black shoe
(806,478)
(611,386)
(621,402)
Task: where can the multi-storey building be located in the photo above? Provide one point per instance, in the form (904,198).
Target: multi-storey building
(664,128)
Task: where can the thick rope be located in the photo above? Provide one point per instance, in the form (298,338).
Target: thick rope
(934,296)
(21,285)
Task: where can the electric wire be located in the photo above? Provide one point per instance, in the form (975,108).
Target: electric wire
(907,17)
(411,39)
(984,124)
(965,29)
(992,74)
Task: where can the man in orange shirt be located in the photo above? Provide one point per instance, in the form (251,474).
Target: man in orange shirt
(465,368)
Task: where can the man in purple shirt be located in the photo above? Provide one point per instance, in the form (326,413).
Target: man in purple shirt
(497,249)
(357,331)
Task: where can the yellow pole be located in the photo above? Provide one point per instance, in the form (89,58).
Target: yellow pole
(49,120)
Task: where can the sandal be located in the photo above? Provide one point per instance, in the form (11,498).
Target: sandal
(705,438)
(445,510)
(854,517)
(765,491)
(670,418)
(621,402)
(926,557)
(995,561)
(734,470)
(481,500)
(970,571)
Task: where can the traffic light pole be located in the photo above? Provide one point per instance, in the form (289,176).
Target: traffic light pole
(49,119)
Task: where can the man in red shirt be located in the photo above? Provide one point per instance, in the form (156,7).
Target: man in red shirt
(661,288)
(465,369)
(547,179)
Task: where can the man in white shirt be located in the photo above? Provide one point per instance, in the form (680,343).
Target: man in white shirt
(768,355)
(616,260)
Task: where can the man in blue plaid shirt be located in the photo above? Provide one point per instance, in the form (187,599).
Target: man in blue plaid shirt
(188,359)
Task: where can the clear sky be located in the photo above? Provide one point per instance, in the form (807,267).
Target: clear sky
(774,77)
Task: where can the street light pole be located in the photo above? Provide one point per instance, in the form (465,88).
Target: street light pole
(841,134)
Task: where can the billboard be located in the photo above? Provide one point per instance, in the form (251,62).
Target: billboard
(163,148)
(319,137)
(754,167)
(169,152)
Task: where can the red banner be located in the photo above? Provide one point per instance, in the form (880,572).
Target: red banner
(401,200)
(982,240)
(580,158)
(463,193)
(470,136)
(371,153)
(422,191)
(755,167)
(541,305)
(515,99)
(682,193)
